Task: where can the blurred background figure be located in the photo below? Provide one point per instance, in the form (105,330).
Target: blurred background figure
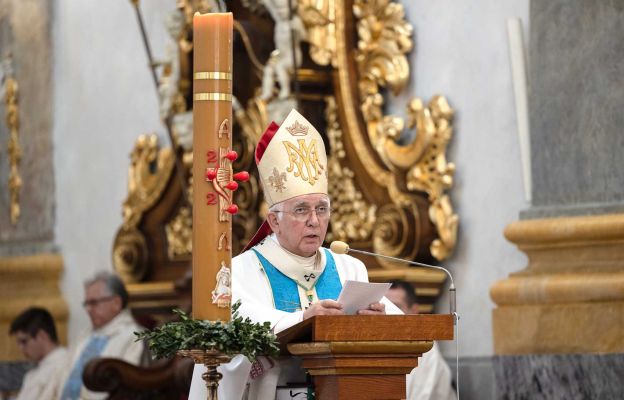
(111,334)
(432,379)
(35,334)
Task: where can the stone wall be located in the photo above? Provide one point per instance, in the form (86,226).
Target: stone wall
(558,325)
(30,266)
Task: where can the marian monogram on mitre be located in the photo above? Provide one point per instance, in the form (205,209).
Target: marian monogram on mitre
(303,157)
(304,160)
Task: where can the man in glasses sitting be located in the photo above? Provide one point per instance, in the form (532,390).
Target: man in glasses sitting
(111,334)
(284,275)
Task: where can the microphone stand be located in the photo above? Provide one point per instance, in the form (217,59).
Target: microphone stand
(452,291)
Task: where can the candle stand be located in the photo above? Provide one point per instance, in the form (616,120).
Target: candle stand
(211,359)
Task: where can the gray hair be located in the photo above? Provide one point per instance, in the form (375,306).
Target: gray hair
(113,283)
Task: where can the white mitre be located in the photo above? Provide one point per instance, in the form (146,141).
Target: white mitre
(292,162)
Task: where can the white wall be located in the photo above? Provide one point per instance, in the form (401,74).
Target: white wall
(103,99)
(461,52)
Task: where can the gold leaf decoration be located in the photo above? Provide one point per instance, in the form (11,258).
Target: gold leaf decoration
(384,39)
(13,148)
(352,217)
(148,174)
(180,234)
(318,17)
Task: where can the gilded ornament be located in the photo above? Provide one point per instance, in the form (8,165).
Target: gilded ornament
(130,255)
(383,41)
(352,217)
(148,174)
(213,75)
(212,96)
(179,233)
(393,234)
(14,149)
(319,17)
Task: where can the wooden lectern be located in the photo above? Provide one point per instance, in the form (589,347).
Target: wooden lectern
(363,357)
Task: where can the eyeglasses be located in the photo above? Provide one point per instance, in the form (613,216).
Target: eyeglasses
(303,213)
(95,302)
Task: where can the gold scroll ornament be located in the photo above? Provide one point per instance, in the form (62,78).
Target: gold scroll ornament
(148,175)
(383,40)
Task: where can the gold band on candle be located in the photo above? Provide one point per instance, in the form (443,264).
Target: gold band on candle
(213,96)
(215,75)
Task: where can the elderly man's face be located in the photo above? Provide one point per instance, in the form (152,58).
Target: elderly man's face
(300,223)
(100,304)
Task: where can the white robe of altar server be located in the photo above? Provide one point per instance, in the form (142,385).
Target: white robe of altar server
(251,286)
(121,344)
(432,379)
(42,382)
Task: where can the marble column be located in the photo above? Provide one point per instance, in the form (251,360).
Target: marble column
(559,323)
(30,265)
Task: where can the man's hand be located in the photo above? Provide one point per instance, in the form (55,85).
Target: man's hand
(374,309)
(323,307)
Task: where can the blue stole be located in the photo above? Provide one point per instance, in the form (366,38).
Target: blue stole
(285,292)
(92,349)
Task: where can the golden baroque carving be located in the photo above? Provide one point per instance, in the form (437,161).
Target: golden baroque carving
(130,255)
(352,217)
(384,39)
(148,174)
(432,174)
(179,233)
(319,19)
(14,149)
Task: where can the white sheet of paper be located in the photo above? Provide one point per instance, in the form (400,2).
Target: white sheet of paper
(359,295)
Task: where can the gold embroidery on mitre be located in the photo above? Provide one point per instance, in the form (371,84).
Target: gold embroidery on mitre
(304,160)
(277,180)
(298,129)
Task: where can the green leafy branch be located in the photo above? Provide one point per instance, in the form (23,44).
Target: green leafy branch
(238,336)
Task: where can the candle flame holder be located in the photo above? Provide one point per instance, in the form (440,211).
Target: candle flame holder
(211,359)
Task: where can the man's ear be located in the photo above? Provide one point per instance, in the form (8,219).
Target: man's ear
(41,335)
(118,302)
(273,221)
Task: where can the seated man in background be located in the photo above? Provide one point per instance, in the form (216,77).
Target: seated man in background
(111,334)
(35,333)
(431,380)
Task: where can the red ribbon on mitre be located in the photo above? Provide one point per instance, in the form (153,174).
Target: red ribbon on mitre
(265,229)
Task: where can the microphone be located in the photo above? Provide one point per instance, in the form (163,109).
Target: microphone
(339,247)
